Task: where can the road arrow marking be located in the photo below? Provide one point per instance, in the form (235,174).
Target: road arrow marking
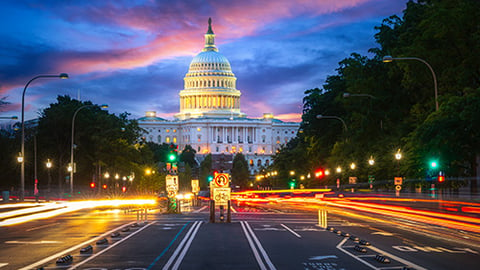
(318,258)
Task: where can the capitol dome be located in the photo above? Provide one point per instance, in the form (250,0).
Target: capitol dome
(210,85)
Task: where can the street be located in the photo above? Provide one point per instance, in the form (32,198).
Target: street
(259,237)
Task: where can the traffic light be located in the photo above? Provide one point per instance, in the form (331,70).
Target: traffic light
(210,178)
(172,157)
(319,173)
(104,186)
(92,184)
(124,189)
(441,178)
(433,164)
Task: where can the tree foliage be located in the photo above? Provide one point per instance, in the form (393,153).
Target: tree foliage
(391,105)
(240,173)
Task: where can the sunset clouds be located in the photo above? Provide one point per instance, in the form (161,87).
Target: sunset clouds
(133,55)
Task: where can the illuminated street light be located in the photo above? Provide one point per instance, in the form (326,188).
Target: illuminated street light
(49,166)
(398,155)
(292,172)
(333,117)
(104,106)
(106,175)
(117,176)
(339,169)
(22,170)
(353,166)
(389,59)
(371,161)
(327,172)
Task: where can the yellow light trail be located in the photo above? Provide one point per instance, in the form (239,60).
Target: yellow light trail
(67,207)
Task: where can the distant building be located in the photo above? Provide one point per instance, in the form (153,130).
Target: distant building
(210,119)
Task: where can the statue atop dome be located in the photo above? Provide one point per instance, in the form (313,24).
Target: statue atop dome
(210,31)
(210,38)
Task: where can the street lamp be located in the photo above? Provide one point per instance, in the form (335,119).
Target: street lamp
(49,166)
(72,166)
(389,59)
(353,166)
(371,161)
(333,117)
(22,170)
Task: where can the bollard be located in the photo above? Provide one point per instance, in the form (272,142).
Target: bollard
(212,211)
(229,211)
(222,218)
(146,216)
(322,218)
(138,216)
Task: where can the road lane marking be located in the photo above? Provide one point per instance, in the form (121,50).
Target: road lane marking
(290,230)
(169,245)
(252,246)
(3,264)
(187,246)
(41,227)
(59,254)
(380,251)
(180,246)
(397,258)
(339,246)
(109,247)
(249,232)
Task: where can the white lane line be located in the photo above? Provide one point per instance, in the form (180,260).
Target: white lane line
(252,246)
(290,230)
(180,246)
(61,253)
(262,251)
(405,262)
(109,247)
(3,264)
(41,227)
(339,246)
(185,249)
(199,210)
(397,258)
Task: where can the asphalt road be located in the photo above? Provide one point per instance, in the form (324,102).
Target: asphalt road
(258,237)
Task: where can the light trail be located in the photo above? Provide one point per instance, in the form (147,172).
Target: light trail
(68,207)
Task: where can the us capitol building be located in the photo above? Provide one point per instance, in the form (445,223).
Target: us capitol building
(210,119)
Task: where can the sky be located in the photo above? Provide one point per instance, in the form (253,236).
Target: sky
(134,54)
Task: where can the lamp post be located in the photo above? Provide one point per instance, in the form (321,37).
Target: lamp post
(398,156)
(389,59)
(333,117)
(22,170)
(72,167)
(49,166)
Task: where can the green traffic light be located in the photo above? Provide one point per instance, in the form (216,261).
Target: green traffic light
(172,157)
(433,164)
(210,178)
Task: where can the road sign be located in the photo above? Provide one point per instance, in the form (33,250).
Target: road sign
(398,187)
(195,186)
(398,180)
(352,180)
(171,185)
(221,180)
(221,196)
(371,178)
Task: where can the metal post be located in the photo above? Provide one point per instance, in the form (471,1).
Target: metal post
(229,212)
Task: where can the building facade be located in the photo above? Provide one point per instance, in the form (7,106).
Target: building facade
(210,119)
